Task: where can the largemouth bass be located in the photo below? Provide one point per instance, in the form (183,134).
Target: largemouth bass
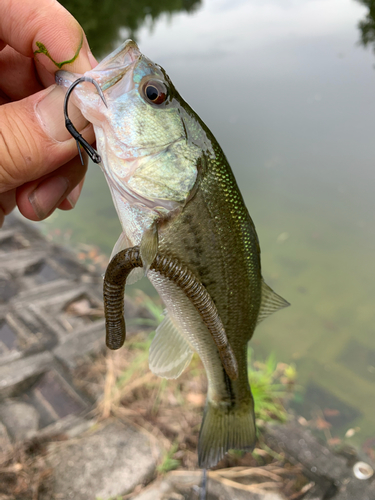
(176,196)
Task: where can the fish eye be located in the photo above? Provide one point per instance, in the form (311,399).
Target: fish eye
(155,91)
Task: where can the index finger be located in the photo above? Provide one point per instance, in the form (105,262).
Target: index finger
(28,25)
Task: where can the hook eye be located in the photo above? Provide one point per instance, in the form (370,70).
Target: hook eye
(93,154)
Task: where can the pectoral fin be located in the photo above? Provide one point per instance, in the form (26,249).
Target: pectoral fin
(149,246)
(170,352)
(271,302)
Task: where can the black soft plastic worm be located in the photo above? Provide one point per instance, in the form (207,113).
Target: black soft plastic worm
(115,278)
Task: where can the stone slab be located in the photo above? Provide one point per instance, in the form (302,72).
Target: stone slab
(17,262)
(5,443)
(105,462)
(315,494)
(89,340)
(71,426)
(41,293)
(21,419)
(17,376)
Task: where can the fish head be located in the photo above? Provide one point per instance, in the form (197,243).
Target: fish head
(147,135)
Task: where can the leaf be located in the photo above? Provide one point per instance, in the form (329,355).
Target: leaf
(322,424)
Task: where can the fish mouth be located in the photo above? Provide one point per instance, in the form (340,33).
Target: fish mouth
(113,67)
(110,70)
(127,53)
(114,75)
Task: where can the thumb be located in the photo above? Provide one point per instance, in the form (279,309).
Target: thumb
(33,137)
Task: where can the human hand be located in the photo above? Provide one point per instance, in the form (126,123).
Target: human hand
(39,166)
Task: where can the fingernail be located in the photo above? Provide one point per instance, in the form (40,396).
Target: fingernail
(50,111)
(74,195)
(48,195)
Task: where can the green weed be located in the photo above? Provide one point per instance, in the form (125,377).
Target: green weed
(169,463)
(271,385)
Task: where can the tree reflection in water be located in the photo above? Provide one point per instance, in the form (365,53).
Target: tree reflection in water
(102,21)
(367,25)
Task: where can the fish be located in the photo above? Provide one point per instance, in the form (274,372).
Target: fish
(177,198)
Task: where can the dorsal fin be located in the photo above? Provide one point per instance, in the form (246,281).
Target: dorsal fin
(270,303)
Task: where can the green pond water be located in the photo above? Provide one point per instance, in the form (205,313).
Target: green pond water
(289,93)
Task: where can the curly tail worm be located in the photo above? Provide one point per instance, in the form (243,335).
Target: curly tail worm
(113,291)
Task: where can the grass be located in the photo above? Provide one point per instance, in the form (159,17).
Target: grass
(168,462)
(272,384)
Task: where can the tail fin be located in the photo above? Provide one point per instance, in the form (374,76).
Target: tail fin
(225,429)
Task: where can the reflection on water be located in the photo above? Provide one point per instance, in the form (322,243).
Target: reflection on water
(367,25)
(289,94)
(105,22)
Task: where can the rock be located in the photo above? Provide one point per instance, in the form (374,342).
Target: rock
(5,443)
(70,426)
(333,474)
(21,419)
(8,287)
(316,493)
(89,340)
(105,462)
(19,375)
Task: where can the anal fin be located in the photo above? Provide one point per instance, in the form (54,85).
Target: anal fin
(170,352)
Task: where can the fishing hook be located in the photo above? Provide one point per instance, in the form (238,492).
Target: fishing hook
(93,154)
